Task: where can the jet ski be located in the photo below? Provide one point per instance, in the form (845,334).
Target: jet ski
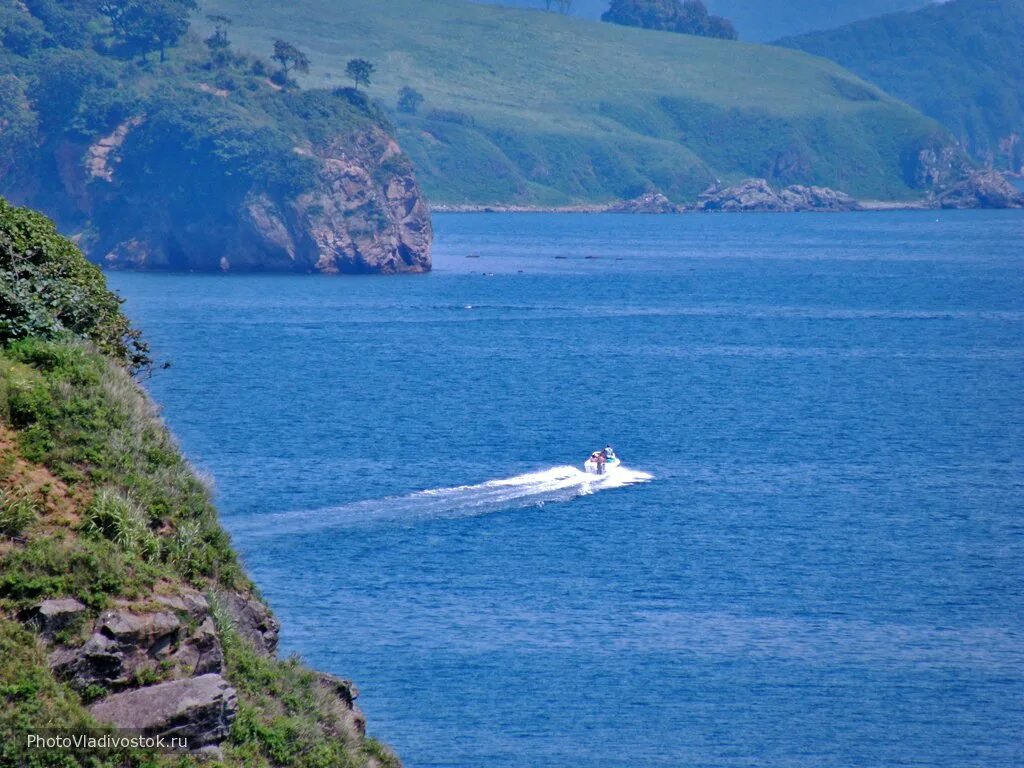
(601,462)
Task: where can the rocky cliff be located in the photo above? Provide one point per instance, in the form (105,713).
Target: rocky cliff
(209,160)
(362,212)
(122,603)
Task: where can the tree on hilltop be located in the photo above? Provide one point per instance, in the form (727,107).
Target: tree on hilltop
(690,17)
(360,70)
(146,25)
(290,58)
(219,39)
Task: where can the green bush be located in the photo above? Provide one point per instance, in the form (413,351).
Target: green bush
(49,290)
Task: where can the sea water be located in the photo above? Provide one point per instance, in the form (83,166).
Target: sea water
(814,555)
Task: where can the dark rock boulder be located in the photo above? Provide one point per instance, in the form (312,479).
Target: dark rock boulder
(650,202)
(252,620)
(125,646)
(200,709)
(188,602)
(54,616)
(985,189)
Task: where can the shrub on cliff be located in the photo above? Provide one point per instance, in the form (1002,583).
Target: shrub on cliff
(49,290)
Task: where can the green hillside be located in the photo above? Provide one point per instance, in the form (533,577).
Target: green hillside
(960,62)
(538,108)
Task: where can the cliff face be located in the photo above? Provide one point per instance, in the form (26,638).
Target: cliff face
(122,603)
(212,159)
(362,213)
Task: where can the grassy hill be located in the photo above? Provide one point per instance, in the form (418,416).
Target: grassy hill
(764,19)
(538,108)
(961,62)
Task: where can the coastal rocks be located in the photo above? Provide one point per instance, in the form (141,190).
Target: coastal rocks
(252,621)
(985,189)
(801,198)
(758,195)
(649,202)
(51,617)
(343,693)
(936,166)
(363,212)
(125,647)
(749,195)
(200,709)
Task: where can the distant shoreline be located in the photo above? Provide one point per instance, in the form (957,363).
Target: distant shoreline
(864,205)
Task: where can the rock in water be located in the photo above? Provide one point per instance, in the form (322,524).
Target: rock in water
(801,198)
(985,189)
(200,709)
(748,195)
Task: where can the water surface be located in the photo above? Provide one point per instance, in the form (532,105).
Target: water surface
(816,560)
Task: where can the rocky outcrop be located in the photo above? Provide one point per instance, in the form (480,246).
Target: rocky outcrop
(252,621)
(199,709)
(363,213)
(937,165)
(649,202)
(51,617)
(802,198)
(344,694)
(985,189)
(758,195)
(125,647)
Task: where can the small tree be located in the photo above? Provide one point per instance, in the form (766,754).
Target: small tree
(146,25)
(409,100)
(360,71)
(290,58)
(218,41)
(169,21)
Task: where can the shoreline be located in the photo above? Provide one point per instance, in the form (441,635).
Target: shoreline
(863,206)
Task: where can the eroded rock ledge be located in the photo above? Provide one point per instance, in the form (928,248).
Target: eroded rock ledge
(160,665)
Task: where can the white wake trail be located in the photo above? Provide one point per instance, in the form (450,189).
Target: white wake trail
(557,484)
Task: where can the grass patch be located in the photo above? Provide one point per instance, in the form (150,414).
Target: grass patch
(85,419)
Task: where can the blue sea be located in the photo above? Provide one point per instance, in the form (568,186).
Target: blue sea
(813,556)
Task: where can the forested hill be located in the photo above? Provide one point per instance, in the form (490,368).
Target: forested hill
(541,108)
(758,20)
(961,62)
(161,150)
